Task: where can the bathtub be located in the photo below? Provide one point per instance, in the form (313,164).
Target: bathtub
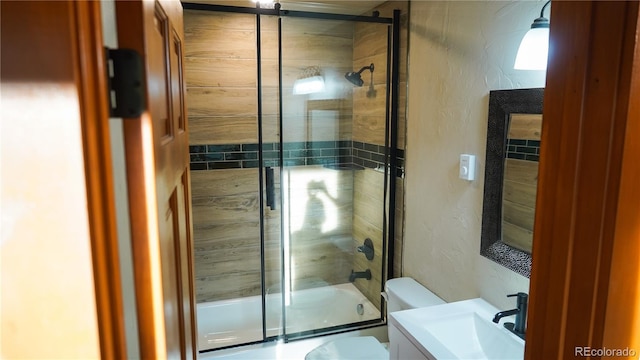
(237,321)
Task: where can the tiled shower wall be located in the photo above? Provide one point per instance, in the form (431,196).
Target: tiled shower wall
(370,46)
(521,180)
(340,153)
(222,101)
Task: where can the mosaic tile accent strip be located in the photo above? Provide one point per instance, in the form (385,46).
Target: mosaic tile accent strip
(512,258)
(523,149)
(346,153)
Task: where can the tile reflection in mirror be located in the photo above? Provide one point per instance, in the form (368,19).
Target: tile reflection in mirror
(520,180)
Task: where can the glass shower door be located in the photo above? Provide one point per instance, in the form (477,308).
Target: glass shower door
(288,169)
(269,134)
(332,200)
(236,230)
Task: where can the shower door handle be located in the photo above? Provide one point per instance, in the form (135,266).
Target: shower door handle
(271,191)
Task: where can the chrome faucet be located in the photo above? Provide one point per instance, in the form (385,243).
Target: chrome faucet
(520,312)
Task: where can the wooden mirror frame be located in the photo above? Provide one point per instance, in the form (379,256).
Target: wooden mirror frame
(502,103)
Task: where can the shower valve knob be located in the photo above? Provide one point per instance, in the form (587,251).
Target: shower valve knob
(367,249)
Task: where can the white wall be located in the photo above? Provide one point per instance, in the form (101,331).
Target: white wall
(458,52)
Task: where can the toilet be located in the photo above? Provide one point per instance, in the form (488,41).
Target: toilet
(401,294)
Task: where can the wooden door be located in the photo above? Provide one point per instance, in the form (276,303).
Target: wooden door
(585,279)
(158,179)
(58,272)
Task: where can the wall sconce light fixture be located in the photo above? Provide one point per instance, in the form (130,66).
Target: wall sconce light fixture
(266,4)
(310,82)
(534,48)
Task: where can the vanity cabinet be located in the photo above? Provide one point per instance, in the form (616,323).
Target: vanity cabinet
(457,330)
(401,348)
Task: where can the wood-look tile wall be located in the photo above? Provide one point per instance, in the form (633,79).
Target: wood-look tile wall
(368,223)
(220,68)
(319,209)
(324,116)
(227,230)
(222,100)
(370,46)
(521,180)
(519,202)
(220,62)
(222,103)
(226,221)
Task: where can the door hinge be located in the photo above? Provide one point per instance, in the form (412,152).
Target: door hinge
(125,74)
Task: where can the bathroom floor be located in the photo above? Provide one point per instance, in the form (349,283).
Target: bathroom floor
(295,350)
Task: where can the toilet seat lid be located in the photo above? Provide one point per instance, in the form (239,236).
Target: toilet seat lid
(361,347)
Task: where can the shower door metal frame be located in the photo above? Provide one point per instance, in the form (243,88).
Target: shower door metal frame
(391,141)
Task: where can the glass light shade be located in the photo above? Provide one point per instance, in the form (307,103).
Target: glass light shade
(309,85)
(533,50)
(265,4)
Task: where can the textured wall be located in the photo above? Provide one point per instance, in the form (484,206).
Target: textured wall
(459,50)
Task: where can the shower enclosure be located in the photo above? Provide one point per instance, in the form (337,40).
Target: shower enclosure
(293,142)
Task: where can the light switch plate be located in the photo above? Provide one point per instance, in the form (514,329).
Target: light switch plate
(467,167)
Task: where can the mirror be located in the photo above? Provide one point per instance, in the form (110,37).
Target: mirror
(511,173)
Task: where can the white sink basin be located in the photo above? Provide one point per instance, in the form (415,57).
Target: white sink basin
(459,330)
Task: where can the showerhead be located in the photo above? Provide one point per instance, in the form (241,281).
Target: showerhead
(355,77)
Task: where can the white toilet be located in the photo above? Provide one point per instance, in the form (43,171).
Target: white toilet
(401,294)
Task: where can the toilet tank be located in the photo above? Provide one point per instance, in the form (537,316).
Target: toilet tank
(405,293)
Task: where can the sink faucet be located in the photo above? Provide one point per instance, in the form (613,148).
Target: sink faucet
(520,312)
